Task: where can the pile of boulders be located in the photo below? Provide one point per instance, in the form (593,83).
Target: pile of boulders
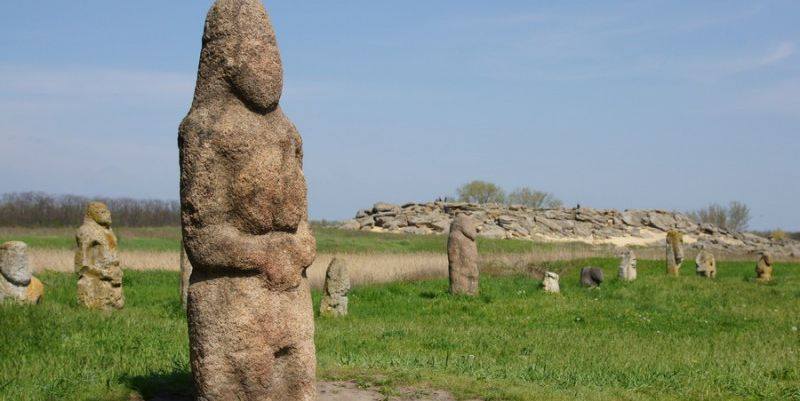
(596,226)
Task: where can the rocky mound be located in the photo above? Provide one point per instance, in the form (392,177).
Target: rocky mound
(595,226)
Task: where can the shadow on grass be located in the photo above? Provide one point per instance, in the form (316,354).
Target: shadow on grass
(172,386)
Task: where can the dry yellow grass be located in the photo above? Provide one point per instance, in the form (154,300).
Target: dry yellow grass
(364,268)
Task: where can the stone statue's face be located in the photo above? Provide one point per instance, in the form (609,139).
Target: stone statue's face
(99,213)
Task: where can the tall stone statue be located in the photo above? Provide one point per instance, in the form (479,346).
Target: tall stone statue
(244,217)
(764,268)
(99,274)
(705,264)
(334,294)
(462,256)
(627,266)
(16,281)
(674,252)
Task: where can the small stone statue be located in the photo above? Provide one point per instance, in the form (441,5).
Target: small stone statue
(674,252)
(16,281)
(764,268)
(627,266)
(705,264)
(591,277)
(550,283)
(337,285)
(99,274)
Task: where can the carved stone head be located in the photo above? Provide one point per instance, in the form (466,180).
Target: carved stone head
(99,212)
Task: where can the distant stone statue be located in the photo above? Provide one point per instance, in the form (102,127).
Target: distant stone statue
(591,277)
(674,252)
(186,272)
(337,285)
(16,281)
(705,264)
(764,268)
(550,283)
(627,266)
(245,219)
(462,256)
(99,274)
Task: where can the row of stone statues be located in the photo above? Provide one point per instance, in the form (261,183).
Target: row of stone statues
(462,253)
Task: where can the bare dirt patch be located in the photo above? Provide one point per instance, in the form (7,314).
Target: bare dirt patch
(345,391)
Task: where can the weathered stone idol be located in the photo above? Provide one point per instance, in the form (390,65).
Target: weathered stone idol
(764,268)
(99,274)
(705,264)
(462,256)
(591,277)
(627,266)
(16,281)
(245,221)
(674,252)
(337,285)
(550,283)
(186,273)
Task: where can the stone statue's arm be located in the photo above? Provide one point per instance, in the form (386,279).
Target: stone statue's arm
(280,256)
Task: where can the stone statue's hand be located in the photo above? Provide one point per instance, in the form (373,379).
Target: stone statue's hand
(291,254)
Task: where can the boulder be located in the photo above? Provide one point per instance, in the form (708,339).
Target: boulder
(381,207)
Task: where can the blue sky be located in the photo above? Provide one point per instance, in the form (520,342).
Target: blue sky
(641,104)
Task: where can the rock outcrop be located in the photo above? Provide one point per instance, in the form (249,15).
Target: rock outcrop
(764,268)
(705,264)
(595,226)
(550,283)
(96,261)
(627,266)
(337,285)
(591,277)
(674,248)
(462,256)
(16,281)
(244,214)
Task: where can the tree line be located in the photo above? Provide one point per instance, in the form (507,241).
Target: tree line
(37,209)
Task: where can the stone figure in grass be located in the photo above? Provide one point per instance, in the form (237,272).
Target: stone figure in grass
(550,283)
(705,264)
(244,217)
(462,256)
(627,266)
(764,268)
(16,281)
(674,252)
(591,277)
(337,285)
(96,263)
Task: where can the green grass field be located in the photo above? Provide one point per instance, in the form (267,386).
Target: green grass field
(329,240)
(658,338)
